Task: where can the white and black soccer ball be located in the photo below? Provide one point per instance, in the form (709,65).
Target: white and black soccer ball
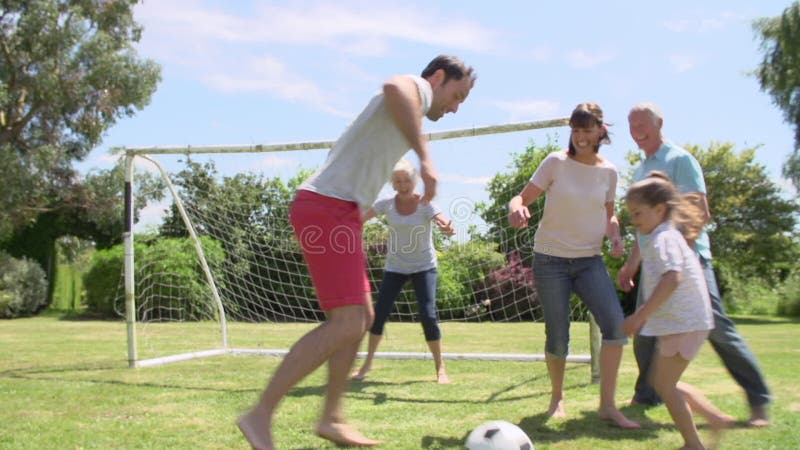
(498,435)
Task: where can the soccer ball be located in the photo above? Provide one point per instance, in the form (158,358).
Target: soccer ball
(498,435)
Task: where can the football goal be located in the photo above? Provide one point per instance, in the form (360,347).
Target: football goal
(223,260)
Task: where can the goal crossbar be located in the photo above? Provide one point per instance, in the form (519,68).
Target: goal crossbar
(132,152)
(318,145)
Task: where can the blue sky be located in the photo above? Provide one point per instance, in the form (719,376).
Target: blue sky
(264,72)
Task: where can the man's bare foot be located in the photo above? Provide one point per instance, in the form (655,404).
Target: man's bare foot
(758,417)
(556,409)
(257,429)
(344,434)
(619,419)
(442,377)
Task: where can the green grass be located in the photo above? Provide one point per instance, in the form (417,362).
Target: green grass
(64,384)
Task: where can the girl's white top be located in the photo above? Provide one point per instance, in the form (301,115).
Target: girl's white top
(574,219)
(689,306)
(362,159)
(410,244)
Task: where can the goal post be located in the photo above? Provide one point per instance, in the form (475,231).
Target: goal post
(290,296)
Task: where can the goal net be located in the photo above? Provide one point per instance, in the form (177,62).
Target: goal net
(223,260)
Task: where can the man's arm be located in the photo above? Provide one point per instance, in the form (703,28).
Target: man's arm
(405,106)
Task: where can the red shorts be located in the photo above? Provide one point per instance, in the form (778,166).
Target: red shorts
(329,231)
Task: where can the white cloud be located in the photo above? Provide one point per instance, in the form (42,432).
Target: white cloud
(704,24)
(529,109)
(271,76)
(541,53)
(462,179)
(275,162)
(152,215)
(682,62)
(226,50)
(348,28)
(582,59)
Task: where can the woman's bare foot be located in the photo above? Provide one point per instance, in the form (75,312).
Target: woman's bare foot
(619,419)
(556,409)
(758,417)
(344,434)
(257,429)
(442,377)
(360,374)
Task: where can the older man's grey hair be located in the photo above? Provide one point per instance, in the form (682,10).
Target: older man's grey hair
(650,108)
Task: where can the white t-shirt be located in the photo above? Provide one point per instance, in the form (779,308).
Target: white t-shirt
(362,159)
(574,219)
(410,237)
(689,306)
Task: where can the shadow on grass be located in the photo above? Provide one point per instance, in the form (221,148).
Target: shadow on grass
(543,430)
(765,320)
(51,374)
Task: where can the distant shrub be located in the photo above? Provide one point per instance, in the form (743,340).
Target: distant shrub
(23,287)
(746,295)
(789,296)
(168,262)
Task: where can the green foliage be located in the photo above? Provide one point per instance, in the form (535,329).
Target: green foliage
(69,72)
(753,226)
(23,287)
(258,243)
(103,280)
(744,294)
(789,295)
(779,72)
(464,269)
(168,261)
(502,188)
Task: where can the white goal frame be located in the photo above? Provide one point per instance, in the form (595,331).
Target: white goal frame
(128,236)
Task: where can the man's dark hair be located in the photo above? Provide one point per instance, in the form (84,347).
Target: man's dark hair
(454,68)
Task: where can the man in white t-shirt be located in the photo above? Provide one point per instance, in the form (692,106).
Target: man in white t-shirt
(326,219)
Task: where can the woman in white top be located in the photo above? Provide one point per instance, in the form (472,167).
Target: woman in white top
(410,255)
(578,213)
(677,309)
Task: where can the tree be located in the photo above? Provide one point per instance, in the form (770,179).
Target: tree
(753,227)
(779,73)
(504,186)
(68,72)
(89,209)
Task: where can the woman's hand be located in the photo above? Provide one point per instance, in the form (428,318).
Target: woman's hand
(518,218)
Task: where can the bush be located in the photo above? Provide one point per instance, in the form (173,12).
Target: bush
(103,280)
(789,296)
(170,262)
(746,295)
(23,287)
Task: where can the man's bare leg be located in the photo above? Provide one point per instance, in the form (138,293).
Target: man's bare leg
(345,325)
(436,350)
(332,424)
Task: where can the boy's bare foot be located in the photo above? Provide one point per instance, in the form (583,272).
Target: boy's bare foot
(619,419)
(257,429)
(344,434)
(758,417)
(556,409)
(442,377)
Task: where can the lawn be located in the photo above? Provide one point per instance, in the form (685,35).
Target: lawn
(65,384)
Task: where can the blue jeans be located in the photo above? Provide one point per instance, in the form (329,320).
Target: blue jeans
(726,341)
(424,286)
(556,279)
